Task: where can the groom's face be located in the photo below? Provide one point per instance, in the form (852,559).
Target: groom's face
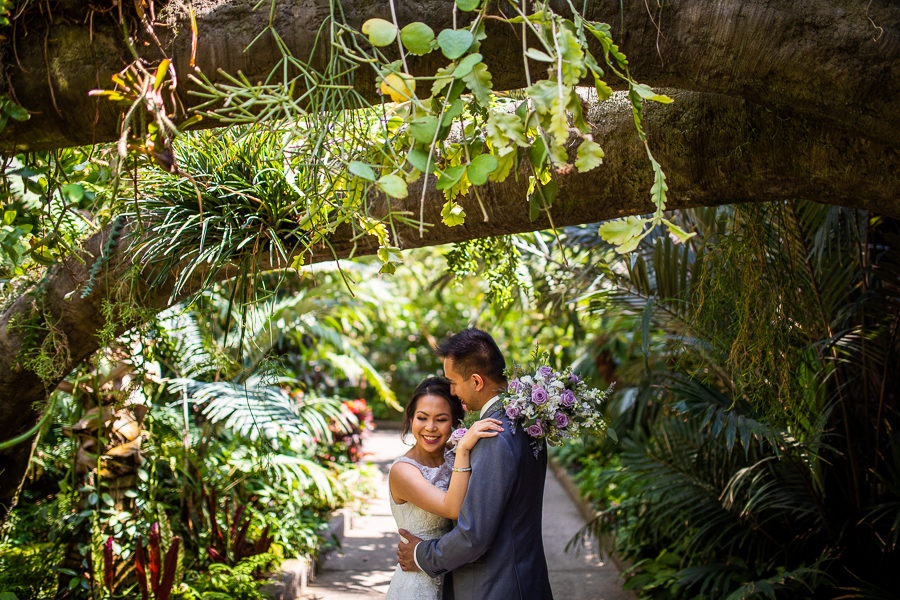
(463,387)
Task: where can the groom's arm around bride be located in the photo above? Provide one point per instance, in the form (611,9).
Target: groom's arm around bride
(495,551)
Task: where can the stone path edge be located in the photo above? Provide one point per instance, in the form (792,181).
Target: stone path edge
(587,512)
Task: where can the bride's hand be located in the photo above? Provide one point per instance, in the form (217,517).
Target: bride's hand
(480,429)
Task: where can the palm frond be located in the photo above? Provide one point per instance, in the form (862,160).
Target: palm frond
(259,411)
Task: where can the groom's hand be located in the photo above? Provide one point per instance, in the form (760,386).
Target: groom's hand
(406,551)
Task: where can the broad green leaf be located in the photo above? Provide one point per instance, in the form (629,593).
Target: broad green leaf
(380,32)
(16,112)
(620,231)
(453,111)
(453,214)
(465,65)
(479,81)
(388,268)
(589,155)
(678,232)
(423,129)
(546,193)
(537,153)
(454,42)
(646,93)
(417,38)
(535,54)
(419,159)
(393,186)
(504,129)
(450,177)
(361,170)
(9,217)
(480,167)
(73,191)
(534,208)
(467,5)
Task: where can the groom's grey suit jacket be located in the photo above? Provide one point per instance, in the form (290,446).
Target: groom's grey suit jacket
(495,551)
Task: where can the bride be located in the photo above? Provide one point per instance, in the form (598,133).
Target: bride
(428,483)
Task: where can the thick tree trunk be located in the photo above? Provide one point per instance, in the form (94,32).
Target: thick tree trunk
(699,139)
(835,60)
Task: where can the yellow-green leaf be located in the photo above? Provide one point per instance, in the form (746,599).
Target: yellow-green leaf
(504,129)
(678,232)
(362,170)
(589,155)
(620,231)
(380,32)
(453,214)
(393,185)
(646,93)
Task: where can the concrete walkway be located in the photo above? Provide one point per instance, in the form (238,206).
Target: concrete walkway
(365,567)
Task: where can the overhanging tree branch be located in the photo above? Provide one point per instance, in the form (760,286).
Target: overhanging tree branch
(833,60)
(701,138)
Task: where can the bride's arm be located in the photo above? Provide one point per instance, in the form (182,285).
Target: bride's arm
(408,484)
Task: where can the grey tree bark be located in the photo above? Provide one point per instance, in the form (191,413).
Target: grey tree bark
(777,101)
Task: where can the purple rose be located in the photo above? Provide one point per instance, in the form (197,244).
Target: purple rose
(562,420)
(458,434)
(573,378)
(535,430)
(513,386)
(567,398)
(539,395)
(545,372)
(513,412)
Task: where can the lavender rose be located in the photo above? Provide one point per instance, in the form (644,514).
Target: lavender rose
(573,378)
(535,430)
(513,386)
(545,372)
(567,398)
(513,412)
(562,419)
(458,434)
(539,395)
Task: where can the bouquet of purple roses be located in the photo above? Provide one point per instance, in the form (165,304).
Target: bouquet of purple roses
(553,405)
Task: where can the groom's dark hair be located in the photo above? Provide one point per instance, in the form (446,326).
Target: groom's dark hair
(474,351)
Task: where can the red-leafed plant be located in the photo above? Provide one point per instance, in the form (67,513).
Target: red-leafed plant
(161,572)
(231,549)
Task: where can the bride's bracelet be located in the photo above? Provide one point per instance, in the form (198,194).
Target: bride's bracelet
(461,469)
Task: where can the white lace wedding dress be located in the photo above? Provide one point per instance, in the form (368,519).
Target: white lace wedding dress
(417,585)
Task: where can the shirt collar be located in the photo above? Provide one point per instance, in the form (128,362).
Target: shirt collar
(488,405)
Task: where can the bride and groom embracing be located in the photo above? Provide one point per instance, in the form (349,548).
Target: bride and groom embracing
(492,487)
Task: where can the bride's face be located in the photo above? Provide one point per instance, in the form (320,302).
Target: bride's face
(432,423)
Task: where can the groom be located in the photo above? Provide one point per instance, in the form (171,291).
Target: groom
(495,552)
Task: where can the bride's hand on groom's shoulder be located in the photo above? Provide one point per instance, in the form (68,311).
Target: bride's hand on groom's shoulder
(406,551)
(479,429)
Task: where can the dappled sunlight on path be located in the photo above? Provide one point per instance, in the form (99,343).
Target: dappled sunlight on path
(365,567)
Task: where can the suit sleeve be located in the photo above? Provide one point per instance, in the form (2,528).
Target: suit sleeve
(490,486)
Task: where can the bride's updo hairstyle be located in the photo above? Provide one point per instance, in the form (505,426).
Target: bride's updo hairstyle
(432,386)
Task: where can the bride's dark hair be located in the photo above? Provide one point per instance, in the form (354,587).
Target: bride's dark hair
(434,386)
